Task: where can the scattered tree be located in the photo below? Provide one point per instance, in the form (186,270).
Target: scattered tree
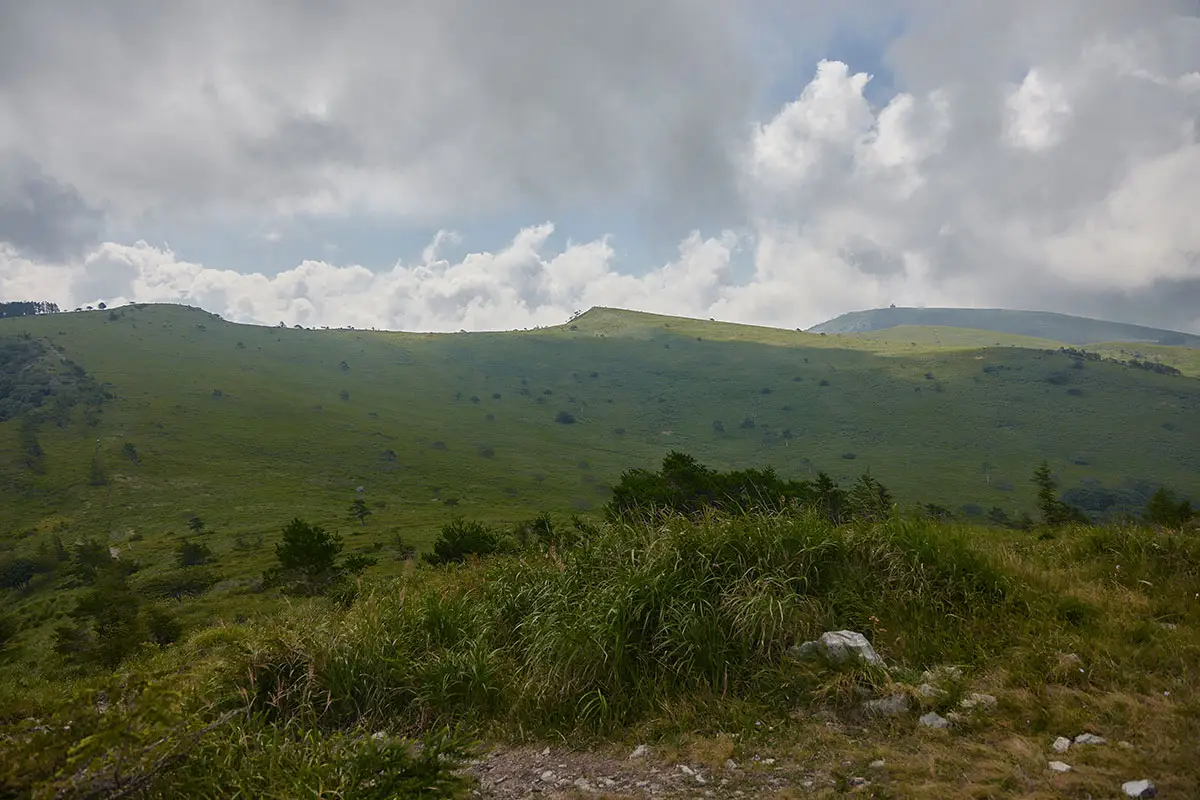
(192,554)
(359,511)
(461,538)
(1055,512)
(196,525)
(564,418)
(1163,509)
(307,558)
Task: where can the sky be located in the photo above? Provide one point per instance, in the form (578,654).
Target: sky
(442,165)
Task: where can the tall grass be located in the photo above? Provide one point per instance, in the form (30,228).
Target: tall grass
(605,633)
(681,623)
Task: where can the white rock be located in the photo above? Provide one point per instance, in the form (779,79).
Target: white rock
(977,700)
(1090,738)
(942,673)
(1061,745)
(686,770)
(547,776)
(1058,766)
(1142,788)
(730,764)
(890,706)
(583,785)
(839,647)
(641,751)
(929,690)
(546,752)
(768,761)
(934,720)
(877,764)
(858,781)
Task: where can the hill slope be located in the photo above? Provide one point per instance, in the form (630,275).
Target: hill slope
(251,425)
(1046,325)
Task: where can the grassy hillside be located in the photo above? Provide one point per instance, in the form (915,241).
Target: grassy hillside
(1040,324)
(245,426)
(679,633)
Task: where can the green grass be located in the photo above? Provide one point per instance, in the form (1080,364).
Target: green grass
(674,630)
(439,425)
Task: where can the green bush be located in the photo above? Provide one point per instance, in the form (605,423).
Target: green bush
(461,538)
(8,631)
(193,554)
(307,558)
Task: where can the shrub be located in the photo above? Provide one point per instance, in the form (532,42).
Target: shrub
(162,627)
(307,558)
(564,418)
(461,538)
(193,554)
(8,630)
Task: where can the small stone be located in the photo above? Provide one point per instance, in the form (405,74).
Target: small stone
(877,764)
(929,690)
(700,779)
(1090,738)
(641,751)
(839,647)
(686,770)
(546,752)
(943,673)
(584,785)
(934,720)
(730,764)
(1125,745)
(1058,766)
(1061,745)
(977,700)
(768,761)
(547,776)
(1142,788)
(890,706)
(857,781)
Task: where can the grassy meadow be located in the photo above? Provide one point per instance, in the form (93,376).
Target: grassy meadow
(678,632)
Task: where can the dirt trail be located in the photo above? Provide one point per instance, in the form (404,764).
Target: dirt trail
(522,772)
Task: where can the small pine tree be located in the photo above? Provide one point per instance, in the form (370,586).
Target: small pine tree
(1055,513)
(307,558)
(359,510)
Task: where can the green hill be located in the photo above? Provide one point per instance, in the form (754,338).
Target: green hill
(245,426)
(1040,324)
(148,428)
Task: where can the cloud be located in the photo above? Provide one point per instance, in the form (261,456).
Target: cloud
(41,217)
(1025,154)
(413,109)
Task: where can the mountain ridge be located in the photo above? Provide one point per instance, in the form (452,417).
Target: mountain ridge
(1065,328)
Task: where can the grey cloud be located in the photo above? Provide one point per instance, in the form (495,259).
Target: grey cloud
(41,217)
(426,109)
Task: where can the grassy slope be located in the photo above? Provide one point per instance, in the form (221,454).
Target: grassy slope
(280,441)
